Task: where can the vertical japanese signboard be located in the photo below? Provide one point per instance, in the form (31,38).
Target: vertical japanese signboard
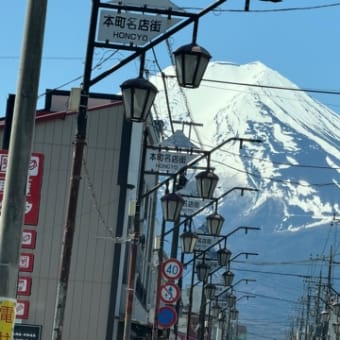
(34,182)
(7,317)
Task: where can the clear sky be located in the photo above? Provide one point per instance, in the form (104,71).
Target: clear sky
(297,38)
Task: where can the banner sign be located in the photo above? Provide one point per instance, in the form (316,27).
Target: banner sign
(34,182)
(160,161)
(131,28)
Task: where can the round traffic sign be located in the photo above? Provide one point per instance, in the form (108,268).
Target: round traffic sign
(170,292)
(167,316)
(172,269)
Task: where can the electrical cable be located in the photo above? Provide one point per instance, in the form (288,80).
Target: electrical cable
(273,87)
(311,166)
(167,101)
(288,9)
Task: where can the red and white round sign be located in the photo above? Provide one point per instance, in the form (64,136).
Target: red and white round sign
(170,292)
(172,269)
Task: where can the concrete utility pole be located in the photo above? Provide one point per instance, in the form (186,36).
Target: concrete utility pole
(13,205)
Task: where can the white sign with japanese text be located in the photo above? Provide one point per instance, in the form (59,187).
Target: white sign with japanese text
(204,242)
(166,162)
(131,28)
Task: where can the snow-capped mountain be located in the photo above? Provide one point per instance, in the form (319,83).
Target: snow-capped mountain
(295,169)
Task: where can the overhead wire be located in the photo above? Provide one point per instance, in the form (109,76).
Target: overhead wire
(97,66)
(311,166)
(165,87)
(265,86)
(288,9)
(277,180)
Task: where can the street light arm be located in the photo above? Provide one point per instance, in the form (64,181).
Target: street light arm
(222,238)
(211,202)
(201,157)
(153,43)
(243,253)
(232,286)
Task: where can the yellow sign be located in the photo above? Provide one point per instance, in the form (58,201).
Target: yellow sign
(7,318)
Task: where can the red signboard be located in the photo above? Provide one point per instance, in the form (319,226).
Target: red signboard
(170,292)
(34,182)
(26,262)
(24,285)
(28,239)
(22,309)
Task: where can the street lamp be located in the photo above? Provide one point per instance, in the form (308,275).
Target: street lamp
(138,97)
(206,183)
(189,240)
(215,223)
(202,271)
(228,278)
(231,300)
(209,291)
(223,256)
(191,62)
(233,313)
(172,205)
(215,310)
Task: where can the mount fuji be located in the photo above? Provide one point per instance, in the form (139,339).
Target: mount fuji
(295,169)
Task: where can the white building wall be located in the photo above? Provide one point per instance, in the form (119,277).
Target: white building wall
(88,296)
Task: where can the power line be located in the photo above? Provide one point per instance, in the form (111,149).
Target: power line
(288,9)
(295,89)
(285,181)
(319,167)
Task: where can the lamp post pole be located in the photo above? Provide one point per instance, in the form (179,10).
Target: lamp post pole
(135,232)
(76,166)
(158,282)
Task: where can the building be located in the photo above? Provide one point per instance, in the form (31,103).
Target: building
(110,178)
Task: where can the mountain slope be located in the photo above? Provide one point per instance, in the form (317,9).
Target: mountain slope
(296,169)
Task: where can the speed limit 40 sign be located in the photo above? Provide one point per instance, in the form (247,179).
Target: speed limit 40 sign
(172,269)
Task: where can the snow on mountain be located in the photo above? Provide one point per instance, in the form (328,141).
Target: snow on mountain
(295,168)
(296,132)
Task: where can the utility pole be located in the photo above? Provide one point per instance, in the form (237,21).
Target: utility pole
(13,205)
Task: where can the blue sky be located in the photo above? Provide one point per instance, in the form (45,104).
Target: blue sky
(295,37)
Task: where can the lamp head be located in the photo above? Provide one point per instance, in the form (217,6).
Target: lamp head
(191,62)
(138,97)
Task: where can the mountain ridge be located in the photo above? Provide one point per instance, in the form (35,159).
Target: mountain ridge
(296,170)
